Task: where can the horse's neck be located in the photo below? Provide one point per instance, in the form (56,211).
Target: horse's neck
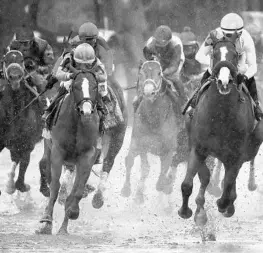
(156,111)
(217,104)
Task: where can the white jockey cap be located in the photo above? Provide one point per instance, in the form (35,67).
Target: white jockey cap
(84,53)
(232,22)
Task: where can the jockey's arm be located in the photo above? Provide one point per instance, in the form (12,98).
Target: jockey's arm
(176,62)
(249,57)
(203,54)
(101,76)
(48,55)
(148,50)
(62,73)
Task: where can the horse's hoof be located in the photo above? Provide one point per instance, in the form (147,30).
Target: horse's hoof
(22,187)
(126,191)
(221,208)
(62,231)
(72,214)
(168,189)
(185,214)
(200,218)
(44,189)
(44,229)
(139,198)
(211,237)
(252,187)
(168,210)
(98,200)
(214,190)
(229,211)
(10,188)
(88,190)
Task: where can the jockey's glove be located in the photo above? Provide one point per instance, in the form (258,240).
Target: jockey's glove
(51,80)
(73,75)
(241,78)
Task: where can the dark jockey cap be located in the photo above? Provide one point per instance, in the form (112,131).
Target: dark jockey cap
(162,35)
(24,34)
(88,30)
(188,37)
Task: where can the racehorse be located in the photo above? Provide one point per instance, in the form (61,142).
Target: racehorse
(223,125)
(20,125)
(155,129)
(74,140)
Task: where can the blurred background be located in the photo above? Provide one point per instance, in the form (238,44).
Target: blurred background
(125,24)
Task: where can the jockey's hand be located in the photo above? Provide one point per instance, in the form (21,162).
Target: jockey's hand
(241,78)
(74,75)
(51,80)
(66,63)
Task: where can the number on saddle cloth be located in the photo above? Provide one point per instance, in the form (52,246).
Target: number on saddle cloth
(114,115)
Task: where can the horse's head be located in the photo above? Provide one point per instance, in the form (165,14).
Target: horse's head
(150,79)
(225,61)
(85,91)
(13,66)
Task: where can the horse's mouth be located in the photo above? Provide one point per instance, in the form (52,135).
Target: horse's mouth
(224,89)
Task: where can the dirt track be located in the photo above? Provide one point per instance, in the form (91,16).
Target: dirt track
(122,226)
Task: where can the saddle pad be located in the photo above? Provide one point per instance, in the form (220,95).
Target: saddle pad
(114,116)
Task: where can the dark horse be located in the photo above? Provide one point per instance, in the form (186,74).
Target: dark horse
(74,140)
(20,128)
(223,125)
(156,125)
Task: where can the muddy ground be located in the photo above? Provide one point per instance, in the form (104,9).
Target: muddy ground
(123,226)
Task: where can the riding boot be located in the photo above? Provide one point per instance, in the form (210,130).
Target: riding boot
(203,80)
(251,85)
(61,92)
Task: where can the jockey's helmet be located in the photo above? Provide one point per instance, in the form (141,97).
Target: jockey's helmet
(188,37)
(232,23)
(88,30)
(190,44)
(84,53)
(255,31)
(25,34)
(162,36)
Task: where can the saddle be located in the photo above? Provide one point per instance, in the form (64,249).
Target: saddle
(112,117)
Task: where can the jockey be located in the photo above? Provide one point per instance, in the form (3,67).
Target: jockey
(247,66)
(255,32)
(38,57)
(168,50)
(84,58)
(89,33)
(190,46)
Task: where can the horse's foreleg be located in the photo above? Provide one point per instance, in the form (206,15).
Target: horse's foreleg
(45,171)
(204,177)
(56,168)
(187,185)
(20,182)
(145,169)
(129,162)
(213,187)
(229,195)
(10,187)
(252,186)
(66,183)
(165,184)
(83,168)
